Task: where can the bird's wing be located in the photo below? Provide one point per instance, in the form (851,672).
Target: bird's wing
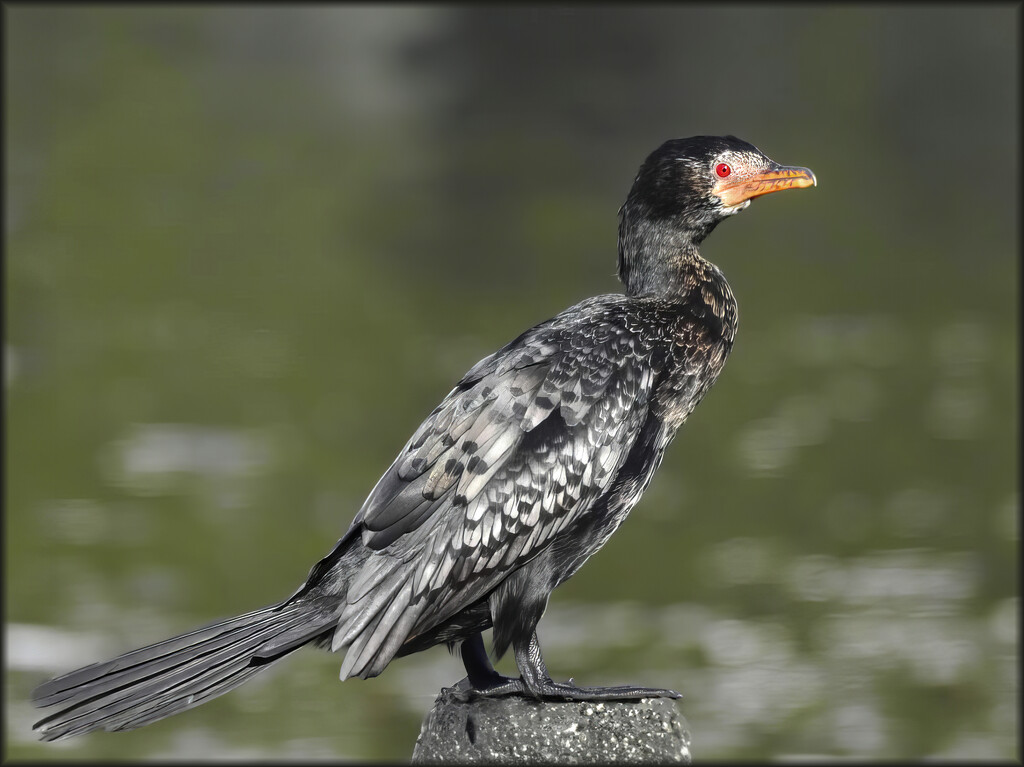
(516,452)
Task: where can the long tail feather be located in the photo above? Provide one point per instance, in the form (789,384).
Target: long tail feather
(177,674)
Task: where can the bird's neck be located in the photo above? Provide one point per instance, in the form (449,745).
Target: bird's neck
(662,261)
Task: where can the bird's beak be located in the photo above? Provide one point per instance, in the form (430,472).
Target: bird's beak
(740,187)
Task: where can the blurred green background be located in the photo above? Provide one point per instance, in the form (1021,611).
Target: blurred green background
(249,249)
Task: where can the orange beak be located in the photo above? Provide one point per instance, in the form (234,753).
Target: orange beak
(742,187)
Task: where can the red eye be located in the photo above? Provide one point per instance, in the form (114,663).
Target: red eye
(722,170)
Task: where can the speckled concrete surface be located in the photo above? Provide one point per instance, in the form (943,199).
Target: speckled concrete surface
(516,730)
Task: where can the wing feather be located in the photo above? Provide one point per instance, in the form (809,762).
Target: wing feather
(517,451)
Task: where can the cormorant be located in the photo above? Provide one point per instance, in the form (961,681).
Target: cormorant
(521,473)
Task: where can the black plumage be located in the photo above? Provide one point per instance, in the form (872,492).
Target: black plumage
(520,474)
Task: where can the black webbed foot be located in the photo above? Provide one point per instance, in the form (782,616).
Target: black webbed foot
(499,686)
(551,690)
(548,689)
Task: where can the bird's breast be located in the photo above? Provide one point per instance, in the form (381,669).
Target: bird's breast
(701,340)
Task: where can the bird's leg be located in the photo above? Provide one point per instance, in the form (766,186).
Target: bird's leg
(535,682)
(481,677)
(480,673)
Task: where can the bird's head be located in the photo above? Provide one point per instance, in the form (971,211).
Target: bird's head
(686,186)
(696,182)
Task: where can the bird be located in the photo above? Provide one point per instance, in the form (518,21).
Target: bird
(521,473)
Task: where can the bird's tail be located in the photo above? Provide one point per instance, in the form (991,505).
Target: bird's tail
(168,677)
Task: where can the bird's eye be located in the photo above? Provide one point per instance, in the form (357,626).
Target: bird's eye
(723,169)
